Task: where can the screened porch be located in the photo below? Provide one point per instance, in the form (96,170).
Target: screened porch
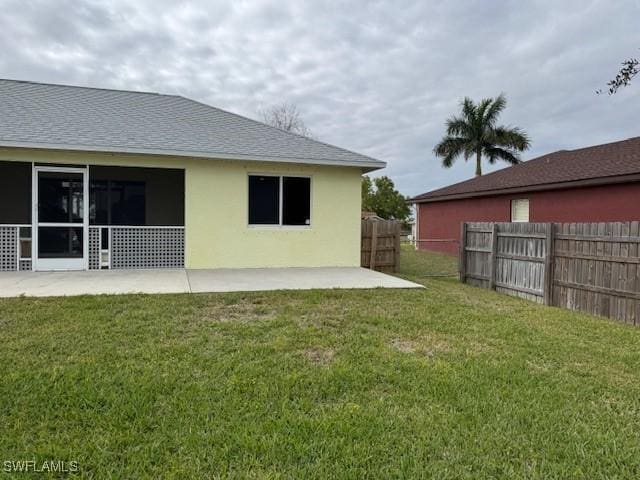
(63,217)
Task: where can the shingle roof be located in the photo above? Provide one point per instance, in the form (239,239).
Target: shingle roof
(554,170)
(37,115)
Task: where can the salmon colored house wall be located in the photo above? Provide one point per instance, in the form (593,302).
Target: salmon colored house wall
(606,203)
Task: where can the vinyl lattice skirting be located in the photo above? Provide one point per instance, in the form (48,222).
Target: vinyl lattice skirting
(138,247)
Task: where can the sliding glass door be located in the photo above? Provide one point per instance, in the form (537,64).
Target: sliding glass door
(60,218)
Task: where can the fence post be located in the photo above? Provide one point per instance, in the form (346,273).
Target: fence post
(396,258)
(463,246)
(548,265)
(492,258)
(374,244)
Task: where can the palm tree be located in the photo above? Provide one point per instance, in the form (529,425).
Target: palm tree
(475,132)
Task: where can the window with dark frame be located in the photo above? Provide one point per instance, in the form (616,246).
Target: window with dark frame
(264,200)
(267,208)
(296,200)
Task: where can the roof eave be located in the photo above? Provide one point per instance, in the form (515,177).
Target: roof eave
(367,166)
(533,188)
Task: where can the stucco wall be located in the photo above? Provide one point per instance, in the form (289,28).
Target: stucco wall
(217,217)
(609,203)
(216,210)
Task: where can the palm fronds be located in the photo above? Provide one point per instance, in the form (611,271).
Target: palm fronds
(475,133)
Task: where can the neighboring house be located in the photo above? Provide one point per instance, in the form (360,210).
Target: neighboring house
(593,184)
(413,235)
(93,178)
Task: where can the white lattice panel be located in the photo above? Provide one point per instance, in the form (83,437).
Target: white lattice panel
(94,248)
(147,247)
(8,248)
(25,265)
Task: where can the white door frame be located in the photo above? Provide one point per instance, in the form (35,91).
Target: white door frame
(60,263)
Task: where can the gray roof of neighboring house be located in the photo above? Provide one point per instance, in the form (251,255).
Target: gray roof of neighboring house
(37,115)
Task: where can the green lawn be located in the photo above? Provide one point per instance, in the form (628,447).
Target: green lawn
(445,382)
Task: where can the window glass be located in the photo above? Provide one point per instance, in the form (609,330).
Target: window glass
(520,210)
(60,197)
(264,200)
(296,201)
(54,242)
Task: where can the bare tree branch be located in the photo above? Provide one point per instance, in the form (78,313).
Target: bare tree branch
(286,116)
(630,69)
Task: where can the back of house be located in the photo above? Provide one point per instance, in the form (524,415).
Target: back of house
(97,179)
(593,184)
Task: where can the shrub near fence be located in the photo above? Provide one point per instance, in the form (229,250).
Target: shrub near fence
(590,267)
(380,245)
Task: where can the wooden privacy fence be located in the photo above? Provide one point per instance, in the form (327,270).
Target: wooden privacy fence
(380,245)
(590,267)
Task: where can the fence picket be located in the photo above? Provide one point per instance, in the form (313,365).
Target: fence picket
(380,245)
(591,267)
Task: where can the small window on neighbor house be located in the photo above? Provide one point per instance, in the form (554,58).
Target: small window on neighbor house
(275,200)
(520,210)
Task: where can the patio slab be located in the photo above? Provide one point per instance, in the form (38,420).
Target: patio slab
(45,284)
(261,279)
(92,282)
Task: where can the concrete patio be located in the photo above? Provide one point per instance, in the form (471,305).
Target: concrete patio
(114,282)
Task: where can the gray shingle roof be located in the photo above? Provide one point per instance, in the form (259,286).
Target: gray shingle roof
(37,115)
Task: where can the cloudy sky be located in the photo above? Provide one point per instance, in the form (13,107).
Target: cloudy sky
(376,77)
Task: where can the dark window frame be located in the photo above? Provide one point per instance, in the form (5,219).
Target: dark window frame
(280,223)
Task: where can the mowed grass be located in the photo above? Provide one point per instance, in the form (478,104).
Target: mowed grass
(446,382)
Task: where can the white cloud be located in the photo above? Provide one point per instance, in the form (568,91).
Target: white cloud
(376,77)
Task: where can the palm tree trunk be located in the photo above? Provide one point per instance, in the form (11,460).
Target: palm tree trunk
(478,163)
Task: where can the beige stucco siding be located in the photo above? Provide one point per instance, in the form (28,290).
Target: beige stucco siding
(217,233)
(217,217)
